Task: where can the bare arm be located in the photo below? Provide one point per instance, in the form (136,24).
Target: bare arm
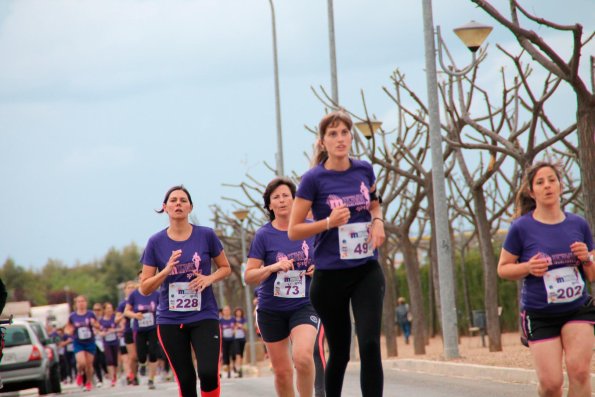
(510,269)
(150,280)
(255,271)
(582,253)
(377,235)
(299,229)
(128,312)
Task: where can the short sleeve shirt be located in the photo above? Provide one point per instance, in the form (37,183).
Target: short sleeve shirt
(328,189)
(271,245)
(83,328)
(197,252)
(527,237)
(147,305)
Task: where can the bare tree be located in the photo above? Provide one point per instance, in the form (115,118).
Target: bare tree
(566,70)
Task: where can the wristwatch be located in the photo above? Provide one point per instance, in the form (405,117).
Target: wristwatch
(590,260)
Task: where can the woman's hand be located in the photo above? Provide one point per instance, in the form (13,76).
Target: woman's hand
(339,216)
(310,271)
(174,259)
(201,282)
(538,265)
(138,315)
(282,266)
(579,249)
(376,237)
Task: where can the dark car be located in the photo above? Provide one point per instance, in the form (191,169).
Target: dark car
(30,358)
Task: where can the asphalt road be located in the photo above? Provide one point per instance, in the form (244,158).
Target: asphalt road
(397,383)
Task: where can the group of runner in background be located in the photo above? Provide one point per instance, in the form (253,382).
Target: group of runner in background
(102,345)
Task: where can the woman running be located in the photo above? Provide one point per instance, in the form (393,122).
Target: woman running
(239,339)
(283,270)
(551,251)
(142,309)
(108,329)
(227,327)
(178,259)
(80,325)
(348,226)
(127,346)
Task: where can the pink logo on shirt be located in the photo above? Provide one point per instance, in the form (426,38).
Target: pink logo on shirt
(360,201)
(196,261)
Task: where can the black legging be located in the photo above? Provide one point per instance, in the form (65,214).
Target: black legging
(205,339)
(330,293)
(319,362)
(99,364)
(146,345)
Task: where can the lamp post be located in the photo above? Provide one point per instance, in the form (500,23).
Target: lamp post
(332,52)
(241,215)
(279,156)
(443,241)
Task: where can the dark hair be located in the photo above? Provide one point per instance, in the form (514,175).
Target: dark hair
(241,310)
(329,120)
(523,202)
(170,191)
(274,184)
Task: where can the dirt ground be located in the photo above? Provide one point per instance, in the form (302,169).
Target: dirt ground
(513,355)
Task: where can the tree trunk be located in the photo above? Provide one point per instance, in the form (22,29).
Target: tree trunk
(416,301)
(490,274)
(390,299)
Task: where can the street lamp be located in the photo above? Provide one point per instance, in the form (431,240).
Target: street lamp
(473,35)
(279,157)
(241,215)
(443,243)
(368,127)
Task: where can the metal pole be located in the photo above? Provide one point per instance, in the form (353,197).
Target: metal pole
(443,243)
(333,52)
(249,310)
(279,157)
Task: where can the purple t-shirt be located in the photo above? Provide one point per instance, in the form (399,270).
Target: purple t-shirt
(197,251)
(240,331)
(147,305)
(528,237)
(83,329)
(328,189)
(227,326)
(120,309)
(109,325)
(271,245)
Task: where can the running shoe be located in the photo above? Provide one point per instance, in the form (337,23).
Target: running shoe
(79,379)
(88,386)
(99,384)
(151,384)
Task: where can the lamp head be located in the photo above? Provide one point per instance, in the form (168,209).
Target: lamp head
(241,214)
(473,34)
(368,127)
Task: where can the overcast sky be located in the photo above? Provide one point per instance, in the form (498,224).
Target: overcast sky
(105,104)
